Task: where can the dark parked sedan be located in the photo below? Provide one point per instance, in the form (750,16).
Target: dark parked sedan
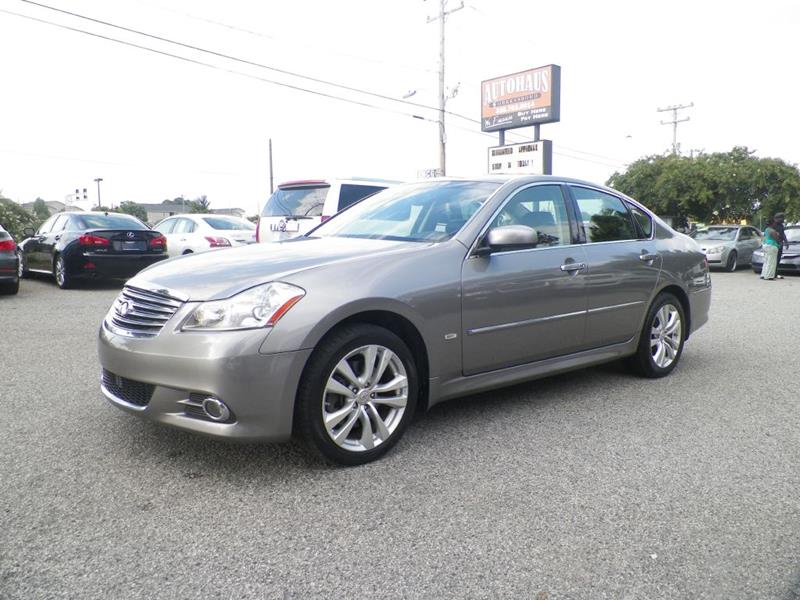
(9,263)
(90,245)
(790,261)
(418,294)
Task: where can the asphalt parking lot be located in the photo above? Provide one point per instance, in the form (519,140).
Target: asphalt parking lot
(593,484)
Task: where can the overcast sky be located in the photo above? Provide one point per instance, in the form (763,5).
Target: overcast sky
(77,107)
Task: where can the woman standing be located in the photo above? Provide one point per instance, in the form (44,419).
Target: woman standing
(771,245)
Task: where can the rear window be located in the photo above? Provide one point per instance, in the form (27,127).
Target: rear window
(228,224)
(109,221)
(352,193)
(296,202)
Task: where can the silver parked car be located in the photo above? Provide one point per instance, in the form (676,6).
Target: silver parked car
(421,293)
(728,246)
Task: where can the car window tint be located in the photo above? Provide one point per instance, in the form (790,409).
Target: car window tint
(542,208)
(109,221)
(59,223)
(604,217)
(351,193)
(183,226)
(306,201)
(165,226)
(46,226)
(644,220)
(228,223)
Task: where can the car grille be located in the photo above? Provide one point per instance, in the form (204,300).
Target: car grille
(132,392)
(141,313)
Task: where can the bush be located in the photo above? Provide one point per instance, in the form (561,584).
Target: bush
(14,218)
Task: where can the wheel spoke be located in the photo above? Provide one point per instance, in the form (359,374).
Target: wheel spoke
(336,417)
(366,429)
(335,387)
(347,371)
(383,433)
(398,383)
(386,355)
(341,435)
(658,357)
(393,401)
(370,352)
(673,325)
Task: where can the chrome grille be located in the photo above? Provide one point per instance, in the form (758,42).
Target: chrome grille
(141,313)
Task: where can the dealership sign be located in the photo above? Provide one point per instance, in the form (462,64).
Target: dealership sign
(521,99)
(528,158)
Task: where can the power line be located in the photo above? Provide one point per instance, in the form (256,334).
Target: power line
(212,66)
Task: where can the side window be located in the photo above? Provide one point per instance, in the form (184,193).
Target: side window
(59,223)
(351,193)
(46,226)
(644,220)
(183,226)
(542,208)
(604,217)
(165,226)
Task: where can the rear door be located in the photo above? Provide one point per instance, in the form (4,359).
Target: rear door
(48,243)
(32,253)
(165,228)
(623,265)
(529,304)
(749,241)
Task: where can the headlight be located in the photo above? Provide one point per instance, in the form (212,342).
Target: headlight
(715,250)
(260,306)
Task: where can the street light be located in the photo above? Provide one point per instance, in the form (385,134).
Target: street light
(97,181)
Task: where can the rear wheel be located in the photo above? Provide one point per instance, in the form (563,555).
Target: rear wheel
(63,279)
(357,394)
(732,263)
(9,288)
(661,341)
(22,269)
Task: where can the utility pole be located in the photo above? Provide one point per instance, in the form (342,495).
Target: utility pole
(97,181)
(443,13)
(271,186)
(674,122)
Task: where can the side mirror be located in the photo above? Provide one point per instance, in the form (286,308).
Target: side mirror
(29,232)
(509,237)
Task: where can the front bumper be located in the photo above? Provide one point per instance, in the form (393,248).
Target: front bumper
(790,264)
(259,389)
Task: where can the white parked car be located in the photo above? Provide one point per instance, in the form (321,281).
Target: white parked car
(200,232)
(297,207)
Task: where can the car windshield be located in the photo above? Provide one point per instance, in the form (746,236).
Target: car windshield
(429,211)
(306,201)
(109,221)
(725,234)
(792,235)
(228,223)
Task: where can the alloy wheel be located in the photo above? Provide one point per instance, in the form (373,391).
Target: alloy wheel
(365,398)
(665,336)
(60,271)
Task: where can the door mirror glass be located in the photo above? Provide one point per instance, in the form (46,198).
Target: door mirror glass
(510,237)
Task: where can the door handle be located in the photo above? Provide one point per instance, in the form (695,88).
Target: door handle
(572,267)
(58,237)
(647,257)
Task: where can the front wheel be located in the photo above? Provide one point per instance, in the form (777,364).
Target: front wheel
(63,279)
(357,394)
(661,341)
(732,263)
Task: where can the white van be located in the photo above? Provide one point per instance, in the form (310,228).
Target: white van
(296,207)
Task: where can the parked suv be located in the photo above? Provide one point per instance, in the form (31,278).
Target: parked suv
(297,207)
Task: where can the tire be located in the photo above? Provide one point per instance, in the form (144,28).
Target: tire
(9,288)
(660,347)
(185,252)
(363,424)
(63,279)
(732,263)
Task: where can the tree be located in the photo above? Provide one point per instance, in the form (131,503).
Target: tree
(101,208)
(40,209)
(14,218)
(200,204)
(718,187)
(136,210)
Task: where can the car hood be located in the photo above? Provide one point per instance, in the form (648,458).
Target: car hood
(221,274)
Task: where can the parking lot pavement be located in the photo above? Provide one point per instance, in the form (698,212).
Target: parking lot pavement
(593,484)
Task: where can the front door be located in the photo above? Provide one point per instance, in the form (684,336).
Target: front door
(525,305)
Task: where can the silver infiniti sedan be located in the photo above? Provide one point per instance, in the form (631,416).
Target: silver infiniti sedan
(419,294)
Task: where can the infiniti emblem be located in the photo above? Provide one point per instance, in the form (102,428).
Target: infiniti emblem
(123,309)
(130,234)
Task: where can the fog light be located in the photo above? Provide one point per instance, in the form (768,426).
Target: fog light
(215,409)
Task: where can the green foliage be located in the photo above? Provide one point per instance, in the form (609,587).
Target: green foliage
(40,210)
(713,188)
(199,205)
(136,210)
(14,218)
(101,208)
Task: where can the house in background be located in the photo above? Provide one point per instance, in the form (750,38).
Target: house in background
(54,206)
